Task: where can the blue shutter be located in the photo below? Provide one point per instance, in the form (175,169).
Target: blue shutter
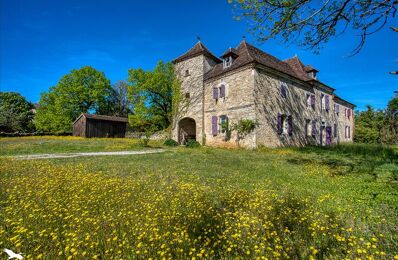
(290,125)
(279,123)
(214,124)
(313,100)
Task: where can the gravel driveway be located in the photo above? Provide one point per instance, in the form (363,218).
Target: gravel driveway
(71,155)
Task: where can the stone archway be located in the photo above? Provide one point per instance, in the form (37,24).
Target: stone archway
(186,130)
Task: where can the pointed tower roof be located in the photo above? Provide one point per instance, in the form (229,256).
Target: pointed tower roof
(196,50)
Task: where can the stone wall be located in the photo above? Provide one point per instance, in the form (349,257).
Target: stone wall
(269,102)
(191,84)
(343,121)
(253,92)
(237,104)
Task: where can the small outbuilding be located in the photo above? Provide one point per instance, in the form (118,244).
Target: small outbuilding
(87,125)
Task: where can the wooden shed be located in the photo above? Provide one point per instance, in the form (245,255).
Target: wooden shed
(87,125)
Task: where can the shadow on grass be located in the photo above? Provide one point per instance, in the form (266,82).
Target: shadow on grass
(368,151)
(275,221)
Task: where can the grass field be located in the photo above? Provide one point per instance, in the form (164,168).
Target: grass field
(56,144)
(185,203)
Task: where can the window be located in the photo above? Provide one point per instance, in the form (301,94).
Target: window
(223,123)
(222,91)
(187,95)
(337,108)
(215,93)
(313,129)
(219,92)
(285,124)
(227,62)
(347,112)
(308,127)
(186,73)
(284,90)
(310,100)
(214,125)
(347,133)
(335,130)
(325,102)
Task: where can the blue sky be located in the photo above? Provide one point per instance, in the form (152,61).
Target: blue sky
(42,40)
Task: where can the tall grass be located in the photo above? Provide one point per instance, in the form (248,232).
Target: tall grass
(382,152)
(312,202)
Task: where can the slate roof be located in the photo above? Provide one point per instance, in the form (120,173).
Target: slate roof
(196,50)
(103,117)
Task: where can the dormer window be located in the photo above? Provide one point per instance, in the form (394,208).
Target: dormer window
(312,74)
(311,71)
(227,62)
(228,57)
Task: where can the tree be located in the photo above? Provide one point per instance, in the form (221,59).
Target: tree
(15,113)
(151,93)
(118,102)
(85,90)
(368,125)
(312,23)
(390,126)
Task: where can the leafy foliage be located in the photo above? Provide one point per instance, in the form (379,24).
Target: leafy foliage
(81,91)
(151,93)
(378,126)
(312,23)
(368,126)
(170,142)
(390,126)
(15,113)
(243,127)
(191,143)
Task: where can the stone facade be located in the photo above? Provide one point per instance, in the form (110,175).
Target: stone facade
(290,106)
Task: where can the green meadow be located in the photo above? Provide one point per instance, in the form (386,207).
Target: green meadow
(338,202)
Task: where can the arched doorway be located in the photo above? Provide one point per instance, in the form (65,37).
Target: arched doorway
(186,130)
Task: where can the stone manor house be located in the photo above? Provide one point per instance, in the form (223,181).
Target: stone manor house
(291,106)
